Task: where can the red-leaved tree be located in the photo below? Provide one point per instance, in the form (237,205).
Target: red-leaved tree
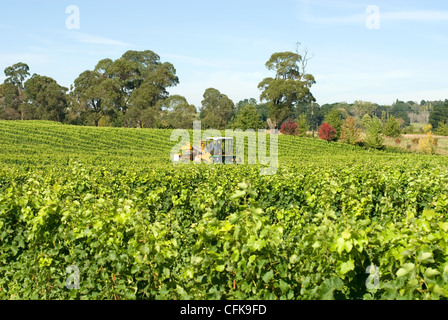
(289,127)
(327,132)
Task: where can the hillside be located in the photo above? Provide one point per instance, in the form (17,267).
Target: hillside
(42,143)
(108,206)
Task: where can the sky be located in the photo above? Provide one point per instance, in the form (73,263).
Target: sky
(375,50)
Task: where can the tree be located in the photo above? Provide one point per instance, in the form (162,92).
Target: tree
(401,109)
(239,106)
(134,82)
(13,91)
(439,114)
(361,108)
(442,129)
(177,113)
(392,128)
(217,109)
(247,118)
(334,119)
(350,133)
(156,77)
(373,129)
(47,97)
(290,87)
(302,125)
(289,127)
(427,128)
(327,132)
(16,75)
(96,93)
(9,102)
(145,104)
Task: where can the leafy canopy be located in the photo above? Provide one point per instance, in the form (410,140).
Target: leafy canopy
(290,86)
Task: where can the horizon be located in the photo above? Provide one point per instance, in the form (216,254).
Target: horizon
(377,52)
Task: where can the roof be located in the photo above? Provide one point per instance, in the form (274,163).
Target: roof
(219,138)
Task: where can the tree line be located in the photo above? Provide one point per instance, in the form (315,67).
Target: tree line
(132,91)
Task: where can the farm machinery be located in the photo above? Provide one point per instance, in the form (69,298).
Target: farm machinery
(212,150)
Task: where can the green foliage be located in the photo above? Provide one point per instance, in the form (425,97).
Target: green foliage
(334,119)
(362,108)
(135,83)
(16,74)
(350,133)
(47,97)
(392,128)
(217,109)
(177,113)
(374,127)
(291,85)
(439,114)
(442,129)
(401,109)
(138,227)
(302,125)
(427,128)
(247,118)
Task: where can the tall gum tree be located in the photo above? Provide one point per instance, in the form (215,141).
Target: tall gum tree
(15,83)
(290,86)
(217,109)
(127,86)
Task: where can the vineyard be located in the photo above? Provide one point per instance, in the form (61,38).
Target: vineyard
(335,221)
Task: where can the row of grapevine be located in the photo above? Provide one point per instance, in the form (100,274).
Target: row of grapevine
(213,232)
(106,207)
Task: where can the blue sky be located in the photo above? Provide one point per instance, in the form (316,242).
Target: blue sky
(225,44)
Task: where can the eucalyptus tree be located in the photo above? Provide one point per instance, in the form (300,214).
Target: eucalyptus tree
(135,82)
(290,86)
(217,109)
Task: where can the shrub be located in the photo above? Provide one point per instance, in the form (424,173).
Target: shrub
(428,145)
(427,128)
(334,119)
(289,127)
(350,133)
(327,132)
(302,125)
(392,128)
(415,141)
(442,129)
(373,131)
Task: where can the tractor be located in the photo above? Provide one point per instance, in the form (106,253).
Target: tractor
(212,150)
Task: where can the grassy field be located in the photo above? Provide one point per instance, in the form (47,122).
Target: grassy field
(409,142)
(102,213)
